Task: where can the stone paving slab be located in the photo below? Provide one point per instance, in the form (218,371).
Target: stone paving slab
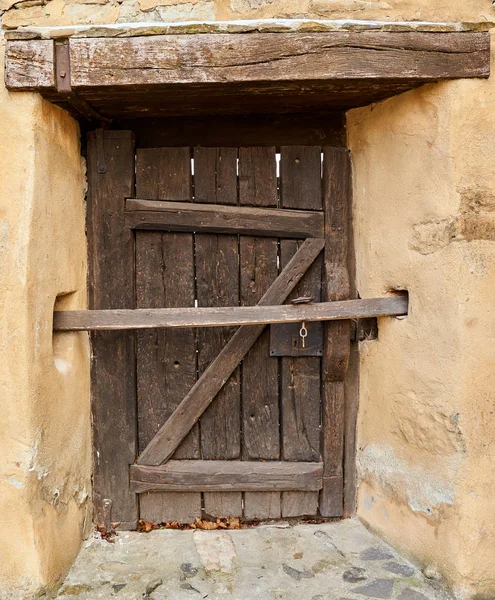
(330,561)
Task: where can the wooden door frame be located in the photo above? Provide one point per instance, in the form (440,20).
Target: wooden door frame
(109,154)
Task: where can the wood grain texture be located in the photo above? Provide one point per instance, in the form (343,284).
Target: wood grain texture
(230,58)
(259,269)
(300,183)
(84,320)
(233,476)
(213,379)
(300,176)
(111,285)
(301,396)
(325,128)
(259,72)
(217,284)
(29,65)
(214,218)
(166,360)
(336,194)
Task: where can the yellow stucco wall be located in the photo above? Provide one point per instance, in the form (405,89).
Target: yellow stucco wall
(424,210)
(70,12)
(44,384)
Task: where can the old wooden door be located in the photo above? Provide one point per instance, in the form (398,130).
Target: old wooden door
(212,421)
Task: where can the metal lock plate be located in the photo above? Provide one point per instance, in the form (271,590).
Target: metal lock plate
(286,341)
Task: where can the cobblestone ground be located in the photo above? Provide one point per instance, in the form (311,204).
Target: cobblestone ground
(330,561)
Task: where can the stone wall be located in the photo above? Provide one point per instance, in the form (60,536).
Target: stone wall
(424,208)
(45,440)
(19,13)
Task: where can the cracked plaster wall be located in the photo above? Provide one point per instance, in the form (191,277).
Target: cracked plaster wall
(45,466)
(81,12)
(424,210)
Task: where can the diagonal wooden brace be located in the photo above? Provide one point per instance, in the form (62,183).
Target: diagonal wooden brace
(171,434)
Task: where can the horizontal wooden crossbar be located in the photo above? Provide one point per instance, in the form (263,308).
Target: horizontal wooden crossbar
(217,218)
(226,476)
(107,320)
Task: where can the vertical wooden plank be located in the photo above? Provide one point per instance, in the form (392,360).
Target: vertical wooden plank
(300,176)
(111,278)
(217,281)
(351,389)
(336,193)
(166,359)
(300,168)
(260,389)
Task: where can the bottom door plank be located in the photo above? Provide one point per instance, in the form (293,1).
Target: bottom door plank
(227,476)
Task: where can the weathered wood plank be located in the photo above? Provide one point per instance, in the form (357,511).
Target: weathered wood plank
(259,269)
(300,183)
(217,284)
(233,476)
(230,58)
(239,130)
(300,177)
(336,193)
(29,65)
(301,397)
(111,285)
(166,360)
(213,379)
(214,218)
(83,320)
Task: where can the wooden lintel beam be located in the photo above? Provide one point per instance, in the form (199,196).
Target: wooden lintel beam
(226,476)
(216,218)
(257,57)
(144,318)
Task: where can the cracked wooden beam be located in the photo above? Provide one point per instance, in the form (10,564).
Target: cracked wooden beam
(170,74)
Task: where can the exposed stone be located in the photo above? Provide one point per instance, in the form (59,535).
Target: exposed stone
(6,4)
(152,586)
(354,575)
(188,586)
(130,13)
(431,573)
(146,5)
(380,588)
(216,551)
(296,574)
(187,12)
(330,7)
(23,16)
(118,587)
(188,571)
(75,590)
(399,569)
(28,3)
(90,13)
(119,571)
(377,553)
(409,594)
